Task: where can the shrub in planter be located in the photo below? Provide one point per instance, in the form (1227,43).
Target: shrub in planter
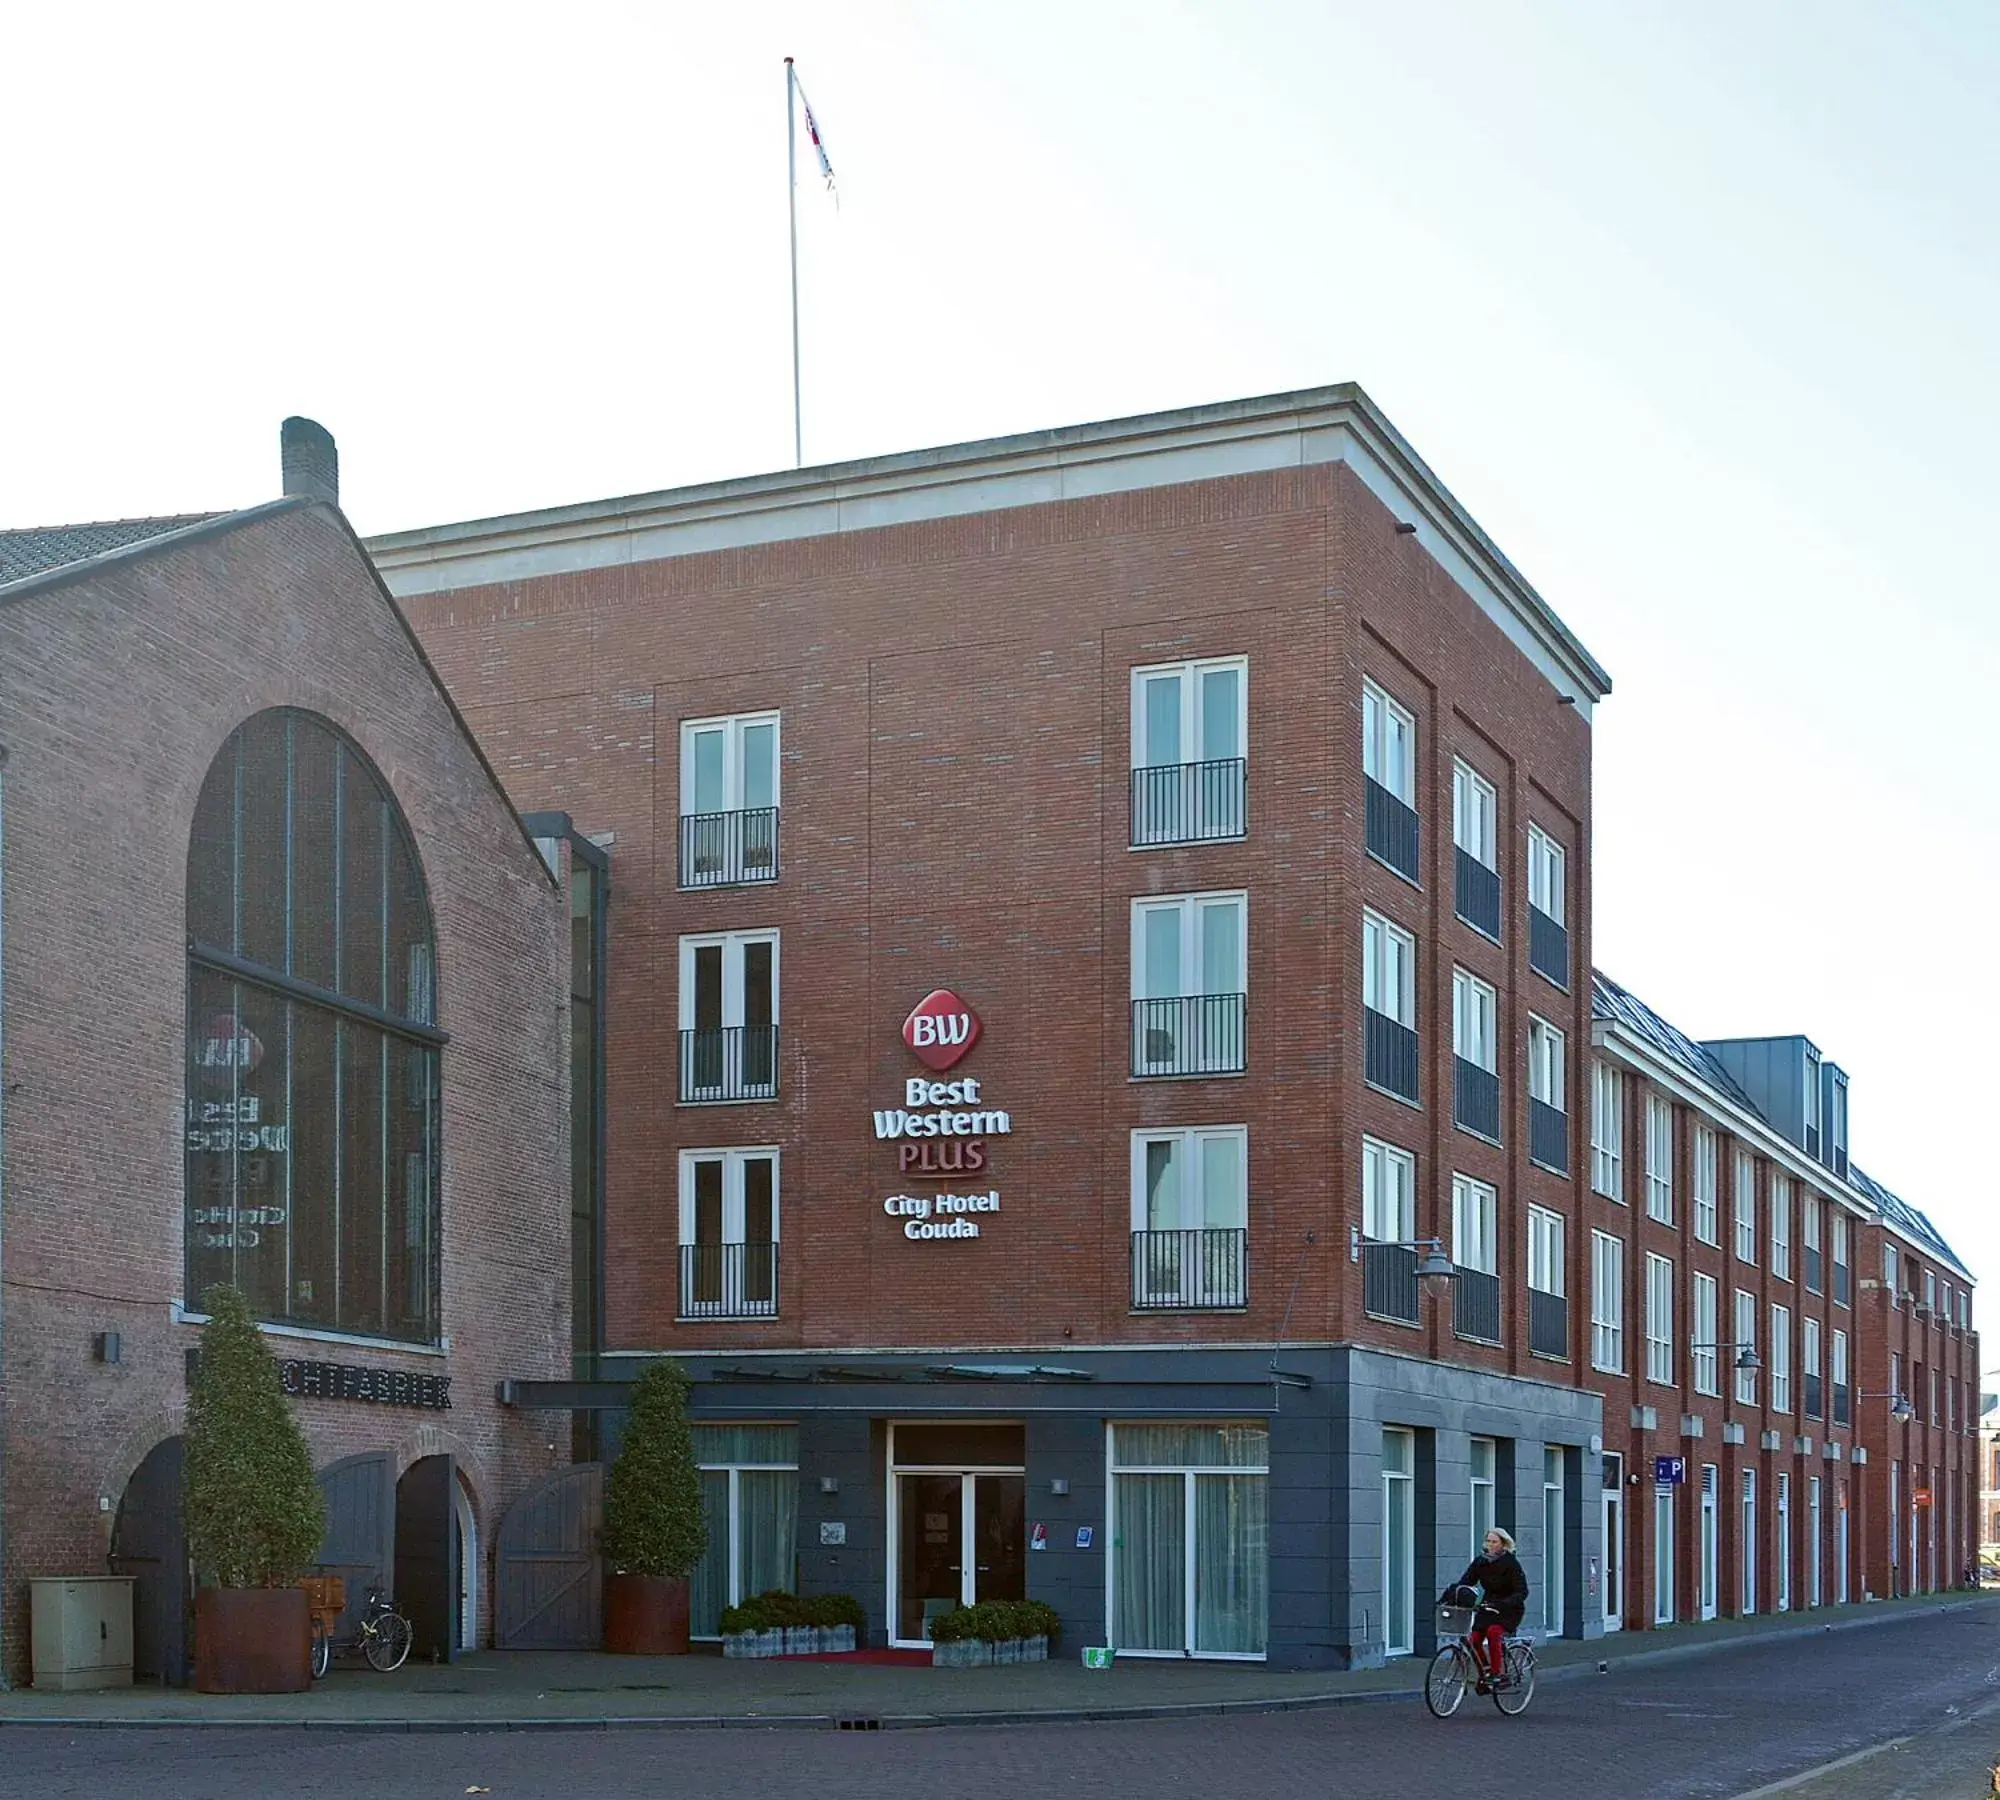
(254,1511)
(654,1533)
(839,1620)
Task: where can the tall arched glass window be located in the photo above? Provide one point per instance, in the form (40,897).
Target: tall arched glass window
(312,1045)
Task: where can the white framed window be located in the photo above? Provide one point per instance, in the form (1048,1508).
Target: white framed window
(1545,1064)
(1809,1237)
(1485,1468)
(1399,1540)
(1475,1212)
(1185,945)
(729,1232)
(1192,1179)
(1545,874)
(1545,1251)
(1784,1515)
(1746,1207)
(729,1016)
(1781,1226)
(1475,1021)
(1607,1303)
(1664,1563)
(1388,1193)
(1746,1539)
(1891,1274)
(1703,1337)
(1388,970)
(1839,1373)
(1745,1337)
(1930,1289)
(729,764)
(1809,1364)
(1707,1214)
(1812,1103)
(1781,1359)
(1842,1250)
(1659,1319)
(1388,744)
(1607,1131)
(1190,712)
(1659,1159)
(1475,815)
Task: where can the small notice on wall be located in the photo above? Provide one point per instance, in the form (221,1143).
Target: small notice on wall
(1038,1539)
(832,1531)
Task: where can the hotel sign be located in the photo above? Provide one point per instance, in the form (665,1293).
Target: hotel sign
(941,1128)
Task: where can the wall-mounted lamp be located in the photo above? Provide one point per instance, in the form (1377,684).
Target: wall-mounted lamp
(829,1484)
(1432,1263)
(1900,1408)
(1747,1358)
(105,1346)
(1060,1486)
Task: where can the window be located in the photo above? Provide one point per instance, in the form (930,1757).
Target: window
(1781,1359)
(1190,742)
(750,1502)
(1485,1463)
(1890,1274)
(1545,875)
(1190,976)
(1746,1207)
(1548,1106)
(312,1131)
(1388,970)
(1707,1156)
(1703,1349)
(1607,1303)
(1930,1290)
(1474,1021)
(1842,1410)
(1475,813)
(729,800)
(1190,1207)
(1388,744)
(729,1016)
(1663,1555)
(1607,1131)
(1781,1226)
(1659,1159)
(1809,1367)
(1812,1103)
(1545,1251)
(1659,1319)
(1475,1209)
(1809,1234)
(1399,1541)
(1843,1271)
(1745,1338)
(729,1234)
(1388,1193)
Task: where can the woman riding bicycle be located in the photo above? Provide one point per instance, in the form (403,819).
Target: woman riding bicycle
(1502,1594)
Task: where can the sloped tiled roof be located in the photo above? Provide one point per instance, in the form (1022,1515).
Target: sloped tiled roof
(1906,1219)
(1622,1007)
(36,550)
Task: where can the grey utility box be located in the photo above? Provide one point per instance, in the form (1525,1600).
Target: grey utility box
(83,1631)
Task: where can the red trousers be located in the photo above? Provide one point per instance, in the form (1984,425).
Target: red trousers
(1489,1647)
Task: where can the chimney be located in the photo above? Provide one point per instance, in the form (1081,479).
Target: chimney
(311,463)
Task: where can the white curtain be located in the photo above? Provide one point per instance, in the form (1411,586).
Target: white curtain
(768,1510)
(1149,1550)
(1231,1563)
(708,1586)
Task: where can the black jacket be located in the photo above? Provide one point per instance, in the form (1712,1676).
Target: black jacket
(1504,1583)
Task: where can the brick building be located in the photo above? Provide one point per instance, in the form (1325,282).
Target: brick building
(282,1002)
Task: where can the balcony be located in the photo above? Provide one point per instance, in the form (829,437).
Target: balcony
(1548,1136)
(1475,1098)
(1548,1324)
(729,1062)
(1190,803)
(1843,1408)
(1475,892)
(1389,1282)
(1475,1305)
(729,1281)
(1189,1271)
(1193,1034)
(1390,1055)
(1815,1270)
(1548,947)
(1843,1284)
(1392,829)
(729,849)
(1815,1397)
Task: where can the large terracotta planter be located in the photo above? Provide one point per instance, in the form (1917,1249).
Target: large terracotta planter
(252,1641)
(645,1615)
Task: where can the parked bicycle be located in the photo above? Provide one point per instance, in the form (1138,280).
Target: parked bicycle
(381,1633)
(1455,1668)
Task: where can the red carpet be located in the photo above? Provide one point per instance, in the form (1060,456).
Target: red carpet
(900,1659)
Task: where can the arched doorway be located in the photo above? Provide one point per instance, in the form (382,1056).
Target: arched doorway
(468,1569)
(149,1543)
(429,1586)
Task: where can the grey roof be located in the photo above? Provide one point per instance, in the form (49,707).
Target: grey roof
(1622,1007)
(36,550)
(1906,1219)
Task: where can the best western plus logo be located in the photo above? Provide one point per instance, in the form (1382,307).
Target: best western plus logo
(941,1028)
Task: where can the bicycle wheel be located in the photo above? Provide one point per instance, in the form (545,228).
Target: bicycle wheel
(1513,1694)
(1445,1681)
(322,1649)
(389,1643)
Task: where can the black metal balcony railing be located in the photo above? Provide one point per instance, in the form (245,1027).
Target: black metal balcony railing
(1392,829)
(1548,1323)
(1843,1284)
(1195,1034)
(1815,1261)
(1475,1098)
(1815,1397)
(730,1062)
(1389,1057)
(1475,1305)
(729,849)
(1190,1270)
(729,1281)
(1389,1282)
(1548,1136)
(1843,1408)
(1475,892)
(1548,947)
(1190,803)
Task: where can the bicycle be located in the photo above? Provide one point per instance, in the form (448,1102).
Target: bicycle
(383,1635)
(1454,1669)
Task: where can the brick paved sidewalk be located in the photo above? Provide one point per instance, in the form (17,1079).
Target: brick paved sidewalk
(525,1690)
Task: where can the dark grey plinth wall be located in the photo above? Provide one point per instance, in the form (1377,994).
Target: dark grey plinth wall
(1068,1447)
(848,1450)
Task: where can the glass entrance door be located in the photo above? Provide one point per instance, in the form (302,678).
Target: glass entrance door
(937,1516)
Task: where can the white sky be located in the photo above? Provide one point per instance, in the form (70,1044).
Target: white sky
(1691,304)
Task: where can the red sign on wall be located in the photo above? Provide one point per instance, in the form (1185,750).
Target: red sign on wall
(941,1028)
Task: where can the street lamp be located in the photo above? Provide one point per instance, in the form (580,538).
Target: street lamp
(1900,1410)
(1747,1358)
(1432,1263)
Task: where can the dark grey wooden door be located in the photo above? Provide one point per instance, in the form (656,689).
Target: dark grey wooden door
(360,1541)
(548,1573)
(427,1556)
(149,1543)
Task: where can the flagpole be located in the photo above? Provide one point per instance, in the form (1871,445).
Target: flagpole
(792,203)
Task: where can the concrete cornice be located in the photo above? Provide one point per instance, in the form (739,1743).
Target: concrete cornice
(1315,426)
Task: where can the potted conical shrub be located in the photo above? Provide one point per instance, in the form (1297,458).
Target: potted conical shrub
(254,1512)
(654,1533)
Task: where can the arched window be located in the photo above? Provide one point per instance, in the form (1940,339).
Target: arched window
(312,1047)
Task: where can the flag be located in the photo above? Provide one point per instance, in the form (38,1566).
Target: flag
(812,131)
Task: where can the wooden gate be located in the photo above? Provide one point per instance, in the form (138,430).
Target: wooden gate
(548,1572)
(149,1543)
(360,1541)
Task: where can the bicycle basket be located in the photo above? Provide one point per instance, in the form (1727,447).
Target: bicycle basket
(1454,1621)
